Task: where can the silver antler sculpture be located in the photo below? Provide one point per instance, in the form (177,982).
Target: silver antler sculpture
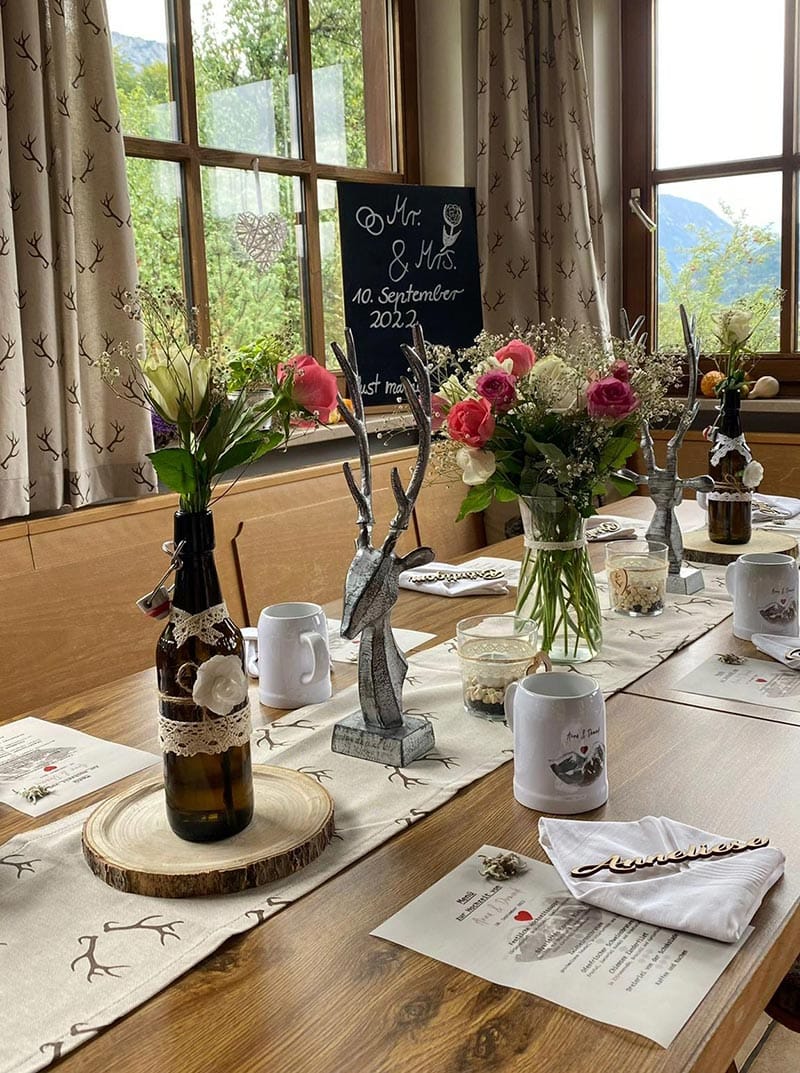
(665,486)
(380,731)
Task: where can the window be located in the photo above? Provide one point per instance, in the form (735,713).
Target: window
(239,116)
(714,156)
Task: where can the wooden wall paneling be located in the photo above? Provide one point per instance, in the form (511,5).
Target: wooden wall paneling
(16,556)
(437,509)
(778,453)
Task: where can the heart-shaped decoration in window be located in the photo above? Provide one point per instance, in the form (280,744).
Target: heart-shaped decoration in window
(261,237)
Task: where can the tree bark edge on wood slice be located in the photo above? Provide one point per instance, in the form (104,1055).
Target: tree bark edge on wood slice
(697,548)
(128,843)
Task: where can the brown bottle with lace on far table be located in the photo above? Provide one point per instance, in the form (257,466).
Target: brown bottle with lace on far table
(204,722)
(730,504)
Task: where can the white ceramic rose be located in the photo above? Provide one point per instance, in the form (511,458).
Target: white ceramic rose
(752,474)
(477,466)
(220,685)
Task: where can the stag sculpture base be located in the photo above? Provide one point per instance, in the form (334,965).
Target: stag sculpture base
(687,582)
(397,745)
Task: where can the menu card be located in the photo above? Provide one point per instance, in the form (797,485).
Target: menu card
(528,932)
(756,681)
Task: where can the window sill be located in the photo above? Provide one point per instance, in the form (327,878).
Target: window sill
(777,405)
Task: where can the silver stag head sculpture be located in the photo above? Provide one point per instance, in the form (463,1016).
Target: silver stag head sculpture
(665,486)
(380,731)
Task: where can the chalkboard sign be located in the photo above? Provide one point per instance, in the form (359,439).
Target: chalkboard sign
(409,256)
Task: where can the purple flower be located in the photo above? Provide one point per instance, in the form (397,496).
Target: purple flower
(497,387)
(163,431)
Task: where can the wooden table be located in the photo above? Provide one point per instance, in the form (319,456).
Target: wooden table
(310,990)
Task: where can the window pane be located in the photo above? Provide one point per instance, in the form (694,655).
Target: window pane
(719,80)
(718,240)
(332,288)
(155,187)
(245,94)
(139,38)
(255,256)
(351,126)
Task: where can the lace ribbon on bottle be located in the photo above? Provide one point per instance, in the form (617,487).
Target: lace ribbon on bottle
(730,497)
(201,625)
(723,445)
(209,736)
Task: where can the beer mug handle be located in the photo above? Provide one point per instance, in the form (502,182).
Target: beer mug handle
(319,653)
(250,637)
(730,577)
(508,703)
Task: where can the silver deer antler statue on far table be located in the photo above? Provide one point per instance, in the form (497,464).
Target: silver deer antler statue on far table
(665,486)
(380,731)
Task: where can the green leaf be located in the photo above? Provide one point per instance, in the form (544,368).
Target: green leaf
(504,494)
(247,451)
(476,499)
(622,484)
(175,469)
(617,452)
(554,455)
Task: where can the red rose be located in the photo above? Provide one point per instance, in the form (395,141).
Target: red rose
(620,370)
(471,422)
(498,387)
(521,355)
(610,397)
(313,388)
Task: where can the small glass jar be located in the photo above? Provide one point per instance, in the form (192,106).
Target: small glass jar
(494,651)
(637,576)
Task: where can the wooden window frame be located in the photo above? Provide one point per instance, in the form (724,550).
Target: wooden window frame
(191,156)
(639,269)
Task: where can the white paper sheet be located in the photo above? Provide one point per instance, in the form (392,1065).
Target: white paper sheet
(528,933)
(344,651)
(34,752)
(757,681)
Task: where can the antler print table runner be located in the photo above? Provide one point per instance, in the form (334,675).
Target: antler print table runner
(76,955)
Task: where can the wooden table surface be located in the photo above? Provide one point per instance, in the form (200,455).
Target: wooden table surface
(310,990)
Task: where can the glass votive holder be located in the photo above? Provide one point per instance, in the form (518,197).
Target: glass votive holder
(494,651)
(637,576)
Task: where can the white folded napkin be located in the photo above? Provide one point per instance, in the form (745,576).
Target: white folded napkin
(716,896)
(785,649)
(601,528)
(765,508)
(444,579)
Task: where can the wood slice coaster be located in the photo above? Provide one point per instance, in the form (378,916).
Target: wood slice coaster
(699,549)
(129,843)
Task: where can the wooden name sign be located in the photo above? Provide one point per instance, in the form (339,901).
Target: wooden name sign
(409,256)
(621,866)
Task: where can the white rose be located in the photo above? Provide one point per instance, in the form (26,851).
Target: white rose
(735,327)
(752,474)
(177,385)
(477,466)
(558,383)
(220,685)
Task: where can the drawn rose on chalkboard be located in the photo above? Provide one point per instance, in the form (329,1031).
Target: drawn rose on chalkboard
(452,220)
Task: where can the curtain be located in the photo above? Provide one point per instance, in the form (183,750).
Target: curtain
(540,223)
(66,261)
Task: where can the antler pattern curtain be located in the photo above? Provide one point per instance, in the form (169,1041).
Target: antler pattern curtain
(540,222)
(66,261)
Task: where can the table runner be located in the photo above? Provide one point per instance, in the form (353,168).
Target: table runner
(77,955)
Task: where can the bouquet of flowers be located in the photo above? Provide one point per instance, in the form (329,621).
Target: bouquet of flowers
(739,332)
(187,386)
(549,418)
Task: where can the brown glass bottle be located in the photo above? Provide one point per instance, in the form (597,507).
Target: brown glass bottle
(730,504)
(209,795)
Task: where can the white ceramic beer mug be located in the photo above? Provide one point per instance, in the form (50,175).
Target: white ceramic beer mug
(764,590)
(293,665)
(559,725)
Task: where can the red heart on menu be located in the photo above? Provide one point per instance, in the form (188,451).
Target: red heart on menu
(50,767)
(584,749)
(761,679)
(523,915)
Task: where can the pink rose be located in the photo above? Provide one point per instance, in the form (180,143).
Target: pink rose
(313,388)
(620,370)
(610,397)
(439,408)
(498,387)
(522,357)
(470,422)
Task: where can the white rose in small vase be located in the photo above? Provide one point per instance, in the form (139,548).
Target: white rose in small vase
(752,474)
(477,466)
(735,328)
(220,685)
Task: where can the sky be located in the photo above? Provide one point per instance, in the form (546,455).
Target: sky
(719,89)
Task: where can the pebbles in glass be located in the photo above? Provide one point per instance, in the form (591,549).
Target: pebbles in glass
(494,651)
(637,576)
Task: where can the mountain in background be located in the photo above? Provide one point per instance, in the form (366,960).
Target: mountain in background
(137,51)
(680,221)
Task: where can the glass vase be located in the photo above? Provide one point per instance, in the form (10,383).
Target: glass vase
(556,585)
